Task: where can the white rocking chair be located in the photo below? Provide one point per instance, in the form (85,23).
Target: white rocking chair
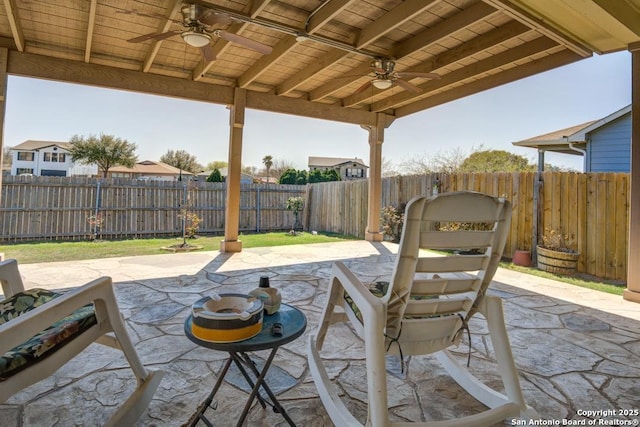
(41,330)
(427,304)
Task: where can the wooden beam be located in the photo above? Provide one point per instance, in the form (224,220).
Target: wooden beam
(544,64)
(64,70)
(3,102)
(172,8)
(43,67)
(500,60)
(446,28)
(299,107)
(516,12)
(14,23)
(263,64)
(632,293)
(393,19)
(90,28)
(231,243)
(472,47)
(324,62)
(626,14)
(327,12)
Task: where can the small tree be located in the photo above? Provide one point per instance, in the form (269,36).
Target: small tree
(105,151)
(182,160)
(295,204)
(215,176)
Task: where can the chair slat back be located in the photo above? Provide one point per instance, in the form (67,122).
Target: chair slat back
(469,230)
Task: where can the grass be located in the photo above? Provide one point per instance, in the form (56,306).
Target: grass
(582,280)
(29,253)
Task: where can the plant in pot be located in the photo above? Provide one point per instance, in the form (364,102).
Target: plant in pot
(557,253)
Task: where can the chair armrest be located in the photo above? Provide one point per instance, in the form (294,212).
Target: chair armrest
(20,329)
(10,278)
(370,306)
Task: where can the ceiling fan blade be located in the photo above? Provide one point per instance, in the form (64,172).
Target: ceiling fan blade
(210,17)
(404,75)
(248,43)
(146,15)
(408,86)
(155,36)
(207,53)
(363,87)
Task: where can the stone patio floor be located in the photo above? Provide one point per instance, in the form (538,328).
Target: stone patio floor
(576,349)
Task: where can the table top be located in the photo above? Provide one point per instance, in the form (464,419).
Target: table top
(293,321)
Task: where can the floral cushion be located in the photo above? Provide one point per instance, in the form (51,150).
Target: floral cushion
(46,342)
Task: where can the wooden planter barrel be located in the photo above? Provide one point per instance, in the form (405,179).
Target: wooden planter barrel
(557,261)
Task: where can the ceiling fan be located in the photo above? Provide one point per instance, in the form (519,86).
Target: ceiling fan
(385,77)
(197,32)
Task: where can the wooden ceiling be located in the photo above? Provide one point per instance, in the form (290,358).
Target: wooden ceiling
(321,50)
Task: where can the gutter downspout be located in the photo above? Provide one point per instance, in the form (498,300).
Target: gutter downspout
(579,150)
(584,155)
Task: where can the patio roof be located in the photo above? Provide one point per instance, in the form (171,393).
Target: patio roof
(575,348)
(321,52)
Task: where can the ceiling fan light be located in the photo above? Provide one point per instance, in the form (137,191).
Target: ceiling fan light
(195,38)
(382,84)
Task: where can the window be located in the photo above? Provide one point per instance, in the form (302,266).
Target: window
(54,157)
(26,156)
(20,171)
(354,173)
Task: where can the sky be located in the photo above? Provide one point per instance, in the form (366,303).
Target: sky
(587,90)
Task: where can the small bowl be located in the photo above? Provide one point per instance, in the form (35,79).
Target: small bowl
(227,318)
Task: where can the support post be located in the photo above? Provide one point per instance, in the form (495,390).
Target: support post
(4,57)
(632,293)
(232,208)
(376,138)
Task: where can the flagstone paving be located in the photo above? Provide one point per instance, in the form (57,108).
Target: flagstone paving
(577,350)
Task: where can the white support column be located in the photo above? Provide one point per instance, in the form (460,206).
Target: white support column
(4,56)
(232,208)
(632,293)
(376,138)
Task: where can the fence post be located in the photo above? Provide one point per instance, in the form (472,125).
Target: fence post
(538,184)
(258,210)
(97,209)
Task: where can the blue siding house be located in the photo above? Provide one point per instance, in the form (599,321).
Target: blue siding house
(605,143)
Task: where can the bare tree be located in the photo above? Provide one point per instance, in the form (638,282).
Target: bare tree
(447,161)
(389,168)
(279,166)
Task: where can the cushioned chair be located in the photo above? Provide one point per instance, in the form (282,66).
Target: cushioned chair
(40,330)
(426,307)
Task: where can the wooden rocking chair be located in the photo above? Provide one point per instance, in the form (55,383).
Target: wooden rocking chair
(425,307)
(41,330)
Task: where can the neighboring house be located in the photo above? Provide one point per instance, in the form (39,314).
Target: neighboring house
(148,170)
(45,158)
(605,143)
(244,178)
(348,169)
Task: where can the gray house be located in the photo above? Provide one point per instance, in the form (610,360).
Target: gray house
(348,169)
(605,143)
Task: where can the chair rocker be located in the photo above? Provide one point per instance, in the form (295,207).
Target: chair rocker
(427,304)
(41,330)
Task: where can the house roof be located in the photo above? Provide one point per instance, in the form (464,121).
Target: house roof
(316,56)
(149,167)
(31,145)
(559,141)
(331,162)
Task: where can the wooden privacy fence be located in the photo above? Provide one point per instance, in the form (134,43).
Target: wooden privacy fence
(592,208)
(35,208)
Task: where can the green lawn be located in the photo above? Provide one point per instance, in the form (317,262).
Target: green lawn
(28,253)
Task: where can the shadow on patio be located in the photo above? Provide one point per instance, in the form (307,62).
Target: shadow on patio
(576,349)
